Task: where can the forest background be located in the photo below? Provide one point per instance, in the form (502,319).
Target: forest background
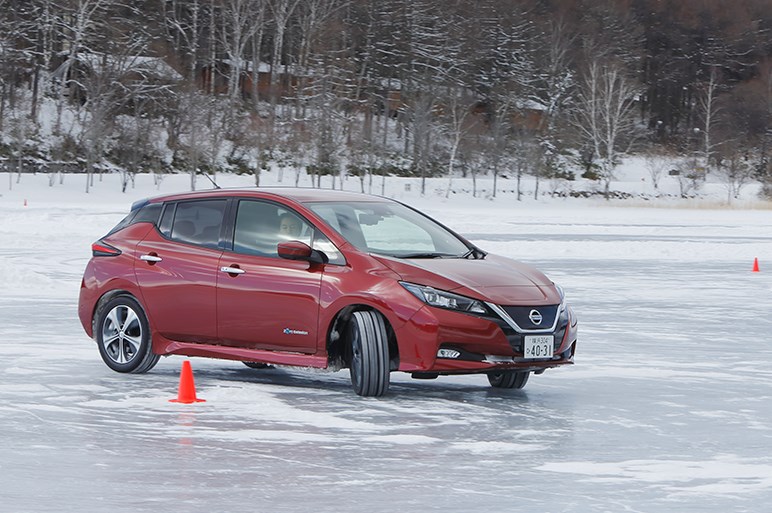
(549,90)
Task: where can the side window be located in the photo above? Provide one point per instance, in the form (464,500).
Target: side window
(260,226)
(198,222)
(165,226)
(148,214)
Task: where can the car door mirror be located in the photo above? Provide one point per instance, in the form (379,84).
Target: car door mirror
(296,250)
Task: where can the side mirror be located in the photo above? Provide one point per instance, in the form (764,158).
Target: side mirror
(296,250)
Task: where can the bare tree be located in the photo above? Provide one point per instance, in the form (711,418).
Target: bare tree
(282,10)
(78,24)
(11,57)
(736,169)
(656,165)
(109,83)
(525,157)
(312,16)
(765,162)
(495,145)
(552,87)
(689,179)
(508,80)
(242,20)
(455,125)
(708,111)
(604,114)
(133,147)
(433,69)
(183,28)
(203,135)
(21,128)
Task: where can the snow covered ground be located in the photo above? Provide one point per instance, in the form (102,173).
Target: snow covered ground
(668,408)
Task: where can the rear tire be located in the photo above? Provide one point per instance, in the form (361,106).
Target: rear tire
(508,379)
(123,336)
(369,354)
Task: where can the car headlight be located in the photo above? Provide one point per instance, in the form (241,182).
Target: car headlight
(444,299)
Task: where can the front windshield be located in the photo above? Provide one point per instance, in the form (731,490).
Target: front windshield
(391,229)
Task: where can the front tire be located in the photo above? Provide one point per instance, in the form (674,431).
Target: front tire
(508,379)
(123,336)
(369,354)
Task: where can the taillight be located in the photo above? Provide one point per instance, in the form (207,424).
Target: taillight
(101,249)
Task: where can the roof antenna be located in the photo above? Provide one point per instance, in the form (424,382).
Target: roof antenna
(211,180)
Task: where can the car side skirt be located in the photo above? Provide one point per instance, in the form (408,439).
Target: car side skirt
(245,355)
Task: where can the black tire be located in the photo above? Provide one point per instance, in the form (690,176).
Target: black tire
(123,336)
(369,354)
(256,365)
(508,379)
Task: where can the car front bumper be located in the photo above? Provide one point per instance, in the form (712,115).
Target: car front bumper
(447,342)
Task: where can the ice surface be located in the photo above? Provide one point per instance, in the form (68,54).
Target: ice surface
(668,408)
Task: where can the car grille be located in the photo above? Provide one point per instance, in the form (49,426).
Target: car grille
(515,339)
(521,316)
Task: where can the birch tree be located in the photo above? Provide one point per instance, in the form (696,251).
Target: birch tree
(505,71)
(431,68)
(552,88)
(604,115)
(242,20)
(5,46)
(281,11)
(456,126)
(311,16)
(79,23)
(108,90)
(15,54)
(709,109)
(184,25)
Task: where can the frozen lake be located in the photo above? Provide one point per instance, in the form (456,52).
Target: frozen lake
(668,408)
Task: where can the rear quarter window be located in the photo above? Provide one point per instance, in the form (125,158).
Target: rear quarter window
(148,213)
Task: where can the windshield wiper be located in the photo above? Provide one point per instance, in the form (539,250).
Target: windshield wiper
(473,253)
(424,255)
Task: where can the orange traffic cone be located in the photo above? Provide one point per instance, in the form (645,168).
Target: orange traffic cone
(187,392)
(755,265)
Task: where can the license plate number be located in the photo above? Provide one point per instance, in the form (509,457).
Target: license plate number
(538,346)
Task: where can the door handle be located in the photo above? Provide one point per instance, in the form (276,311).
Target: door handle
(151,258)
(232,270)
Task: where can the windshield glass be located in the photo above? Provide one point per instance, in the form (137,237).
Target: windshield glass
(390,229)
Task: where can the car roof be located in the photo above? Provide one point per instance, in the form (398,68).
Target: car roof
(297,194)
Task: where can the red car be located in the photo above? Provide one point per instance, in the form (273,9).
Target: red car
(317,278)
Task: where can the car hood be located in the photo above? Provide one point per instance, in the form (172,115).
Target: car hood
(496,279)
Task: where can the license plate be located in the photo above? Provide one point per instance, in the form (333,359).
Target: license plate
(538,346)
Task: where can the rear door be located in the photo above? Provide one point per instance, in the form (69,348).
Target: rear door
(263,301)
(176,267)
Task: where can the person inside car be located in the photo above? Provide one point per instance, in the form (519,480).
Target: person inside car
(289,226)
